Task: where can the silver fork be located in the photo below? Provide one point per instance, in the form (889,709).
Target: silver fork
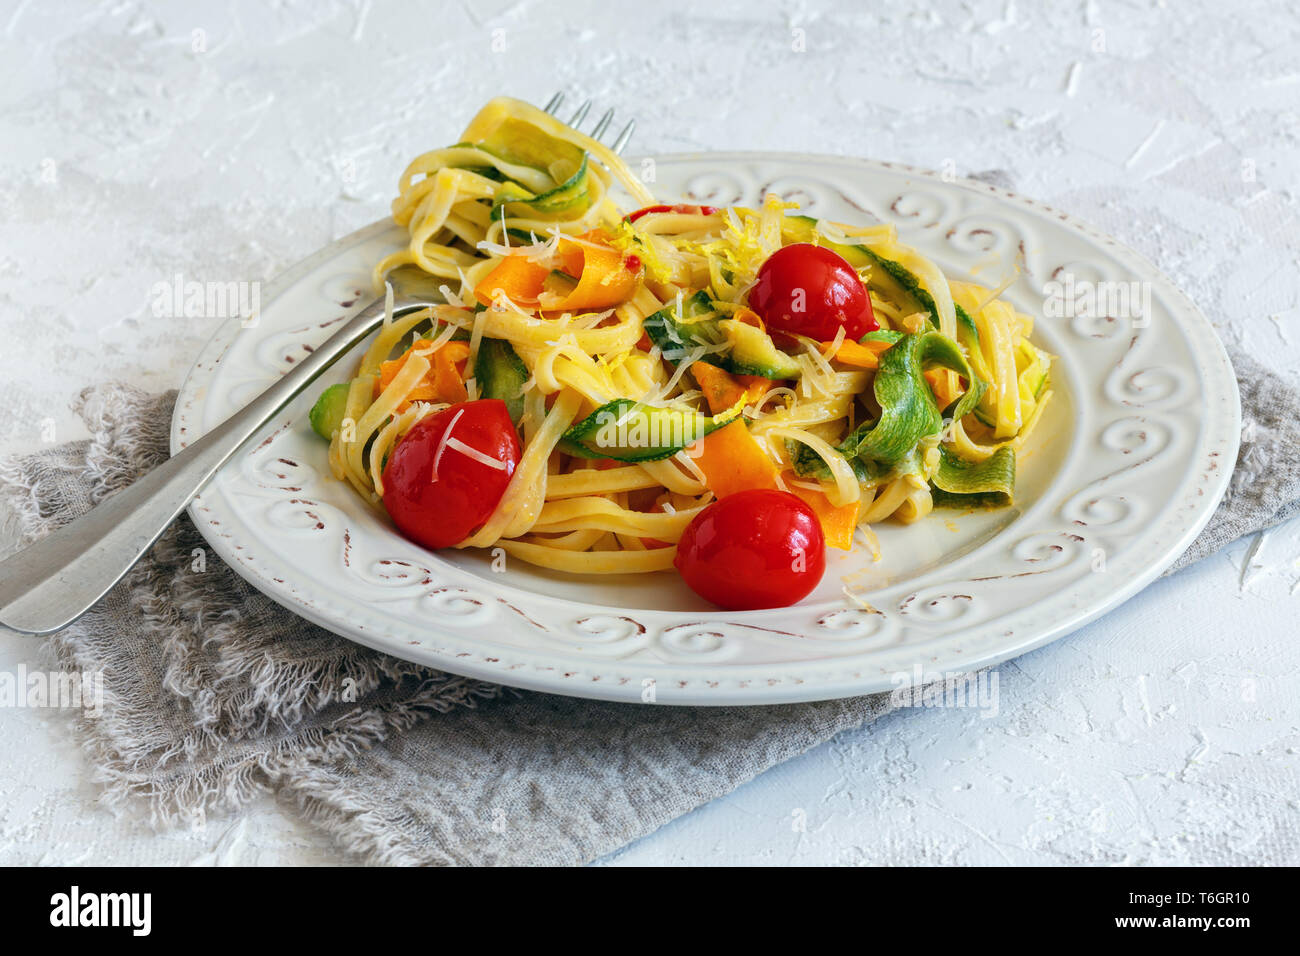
(50,584)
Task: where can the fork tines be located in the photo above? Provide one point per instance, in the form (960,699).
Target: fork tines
(602,125)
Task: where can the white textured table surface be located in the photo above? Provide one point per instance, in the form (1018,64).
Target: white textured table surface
(144,141)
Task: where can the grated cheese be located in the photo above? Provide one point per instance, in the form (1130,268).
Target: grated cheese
(442,444)
(469,451)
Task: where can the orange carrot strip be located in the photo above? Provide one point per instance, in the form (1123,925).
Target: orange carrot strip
(943,383)
(388,370)
(853,353)
(723,389)
(837,522)
(605,278)
(732,461)
(448,372)
(444,382)
(518,277)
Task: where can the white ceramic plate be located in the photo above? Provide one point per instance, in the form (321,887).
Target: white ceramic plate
(1126,467)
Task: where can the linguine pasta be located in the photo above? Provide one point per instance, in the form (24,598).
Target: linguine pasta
(641,382)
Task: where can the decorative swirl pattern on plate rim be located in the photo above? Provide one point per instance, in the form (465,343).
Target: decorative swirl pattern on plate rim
(1025,587)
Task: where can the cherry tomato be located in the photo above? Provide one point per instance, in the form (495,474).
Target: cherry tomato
(680,207)
(753,549)
(439,485)
(810,290)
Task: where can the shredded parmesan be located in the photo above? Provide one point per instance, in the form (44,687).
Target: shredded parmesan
(996,292)
(469,451)
(561,515)
(442,444)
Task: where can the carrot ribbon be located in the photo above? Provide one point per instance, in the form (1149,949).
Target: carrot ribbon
(601,276)
(444,382)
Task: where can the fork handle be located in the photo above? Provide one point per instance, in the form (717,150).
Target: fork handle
(48,585)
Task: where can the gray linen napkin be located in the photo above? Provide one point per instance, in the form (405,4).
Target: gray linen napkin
(213,693)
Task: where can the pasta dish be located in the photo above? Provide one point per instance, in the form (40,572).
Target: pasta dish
(727,391)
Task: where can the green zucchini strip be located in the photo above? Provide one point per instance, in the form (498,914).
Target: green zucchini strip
(491,165)
(881,447)
(519,141)
(882,335)
(676,337)
(751,350)
(959,483)
(908,411)
(326,415)
(571,198)
(627,430)
(500,373)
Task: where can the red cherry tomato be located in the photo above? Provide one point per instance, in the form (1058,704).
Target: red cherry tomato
(810,290)
(680,207)
(439,483)
(753,549)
